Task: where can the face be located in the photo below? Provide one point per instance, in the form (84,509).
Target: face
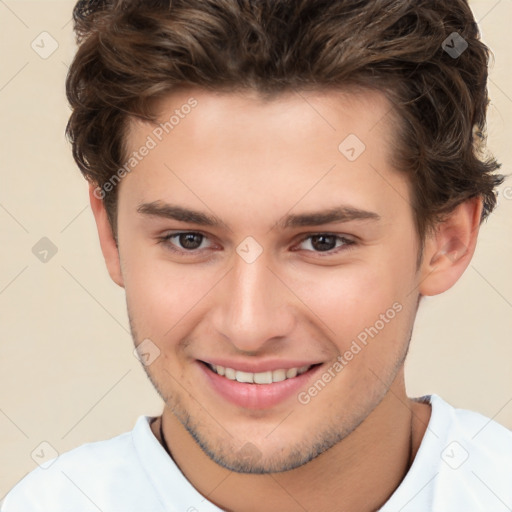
(299,263)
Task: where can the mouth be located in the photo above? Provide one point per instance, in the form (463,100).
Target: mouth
(267,377)
(257,390)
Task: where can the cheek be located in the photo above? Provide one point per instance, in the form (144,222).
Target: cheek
(361,303)
(345,297)
(162,294)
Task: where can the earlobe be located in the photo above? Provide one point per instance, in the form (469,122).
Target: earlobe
(449,250)
(108,243)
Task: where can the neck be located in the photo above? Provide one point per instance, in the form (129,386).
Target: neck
(361,471)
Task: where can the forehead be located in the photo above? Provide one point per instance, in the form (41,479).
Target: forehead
(316,146)
(330,112)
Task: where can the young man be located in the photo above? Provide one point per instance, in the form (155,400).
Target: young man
(276,185)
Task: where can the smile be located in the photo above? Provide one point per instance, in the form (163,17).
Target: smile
(257,390)
(267,377)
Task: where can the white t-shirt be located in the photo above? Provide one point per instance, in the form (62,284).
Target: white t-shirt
(464,464)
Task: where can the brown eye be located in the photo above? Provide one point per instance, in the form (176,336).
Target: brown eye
(188,242)
(323,242)
(327,243)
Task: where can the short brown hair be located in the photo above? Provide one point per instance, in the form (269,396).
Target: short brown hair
(133,52)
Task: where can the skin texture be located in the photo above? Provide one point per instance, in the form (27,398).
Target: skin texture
(250,162)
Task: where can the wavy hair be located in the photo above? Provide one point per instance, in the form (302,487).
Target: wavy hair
(133,52)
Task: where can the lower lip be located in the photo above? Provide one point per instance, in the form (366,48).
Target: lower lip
(257,396)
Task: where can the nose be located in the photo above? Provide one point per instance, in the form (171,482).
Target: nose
(255,307)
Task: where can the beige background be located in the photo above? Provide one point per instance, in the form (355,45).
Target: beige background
(68,373)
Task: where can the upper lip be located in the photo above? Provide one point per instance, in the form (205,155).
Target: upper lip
(260,366)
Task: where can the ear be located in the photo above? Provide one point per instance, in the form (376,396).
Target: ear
(448,251)
(107,241)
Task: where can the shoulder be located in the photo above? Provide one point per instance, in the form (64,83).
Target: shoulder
(78,478)
(475,459)
(464,462)
(482,437)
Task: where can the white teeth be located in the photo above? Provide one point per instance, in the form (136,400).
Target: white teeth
(244,376)
(267,377)
(292,372)
(278,375)
(230,373)
(263,378)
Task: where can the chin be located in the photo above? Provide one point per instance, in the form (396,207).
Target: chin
(249,459)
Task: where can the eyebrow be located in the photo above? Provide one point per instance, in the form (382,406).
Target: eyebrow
(182,214)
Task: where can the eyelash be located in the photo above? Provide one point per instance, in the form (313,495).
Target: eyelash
(347,243)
